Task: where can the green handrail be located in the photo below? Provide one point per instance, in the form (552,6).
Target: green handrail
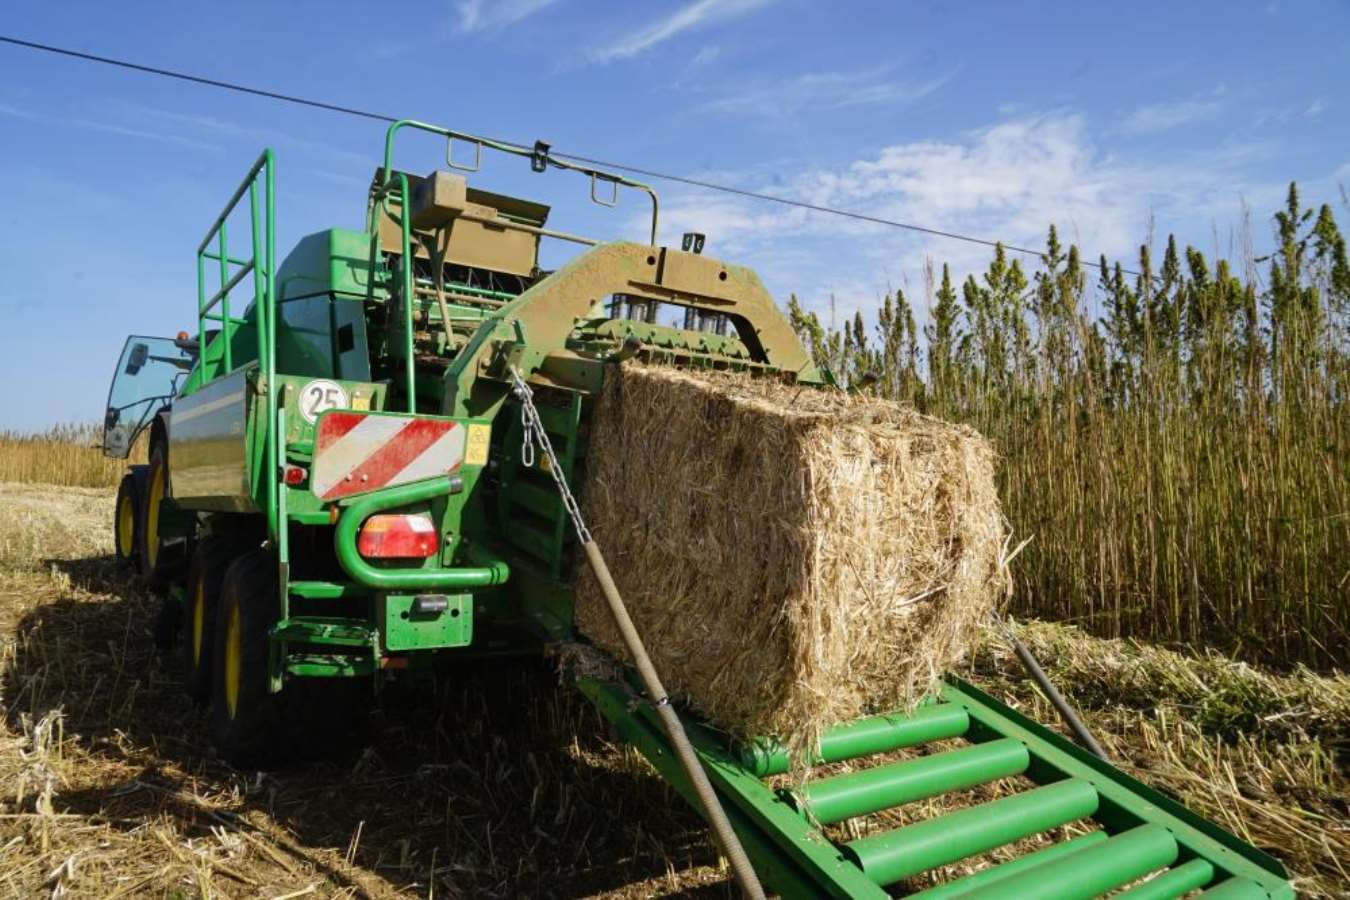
(490,571)
(406,271)
(518,150)
(261,264)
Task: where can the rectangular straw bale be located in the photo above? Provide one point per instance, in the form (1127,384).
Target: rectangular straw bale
(792,557)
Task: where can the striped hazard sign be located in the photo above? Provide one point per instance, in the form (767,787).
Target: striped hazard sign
(355,452)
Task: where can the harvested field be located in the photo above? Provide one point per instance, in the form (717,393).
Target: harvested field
(504,784)
(793,558)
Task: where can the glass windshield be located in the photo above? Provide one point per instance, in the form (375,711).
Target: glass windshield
(145,381)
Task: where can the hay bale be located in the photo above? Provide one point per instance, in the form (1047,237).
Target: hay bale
(792,557)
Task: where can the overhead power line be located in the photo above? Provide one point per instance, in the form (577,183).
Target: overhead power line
(623,167)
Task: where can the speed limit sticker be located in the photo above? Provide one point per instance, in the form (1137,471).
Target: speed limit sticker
(319,396)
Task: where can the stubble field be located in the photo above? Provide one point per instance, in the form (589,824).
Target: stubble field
(506,782)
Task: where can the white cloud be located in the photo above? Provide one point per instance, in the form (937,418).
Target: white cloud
(785,98)
(1315,108)
(486,15)
(1007,182)
(1166,116)
(691,16)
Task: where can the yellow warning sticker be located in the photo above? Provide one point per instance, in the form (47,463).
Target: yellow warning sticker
(360,401)
(476,445)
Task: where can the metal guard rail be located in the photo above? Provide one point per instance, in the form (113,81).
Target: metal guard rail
(530,153)
(261,263)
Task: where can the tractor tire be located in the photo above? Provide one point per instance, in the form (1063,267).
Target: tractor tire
(126,516)
(157,563)
(251,727)
(206,576)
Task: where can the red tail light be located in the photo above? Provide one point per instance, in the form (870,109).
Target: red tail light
(398,537)
(295,475)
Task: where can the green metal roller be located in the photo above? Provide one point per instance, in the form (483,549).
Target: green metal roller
(859,793)
(1174,882)
(994,874)
(1094,871)
(892,855)
(877,734)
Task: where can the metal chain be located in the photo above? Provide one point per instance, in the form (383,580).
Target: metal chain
(526,429)
(533,428)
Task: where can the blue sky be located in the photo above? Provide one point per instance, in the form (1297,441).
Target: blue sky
(988,118)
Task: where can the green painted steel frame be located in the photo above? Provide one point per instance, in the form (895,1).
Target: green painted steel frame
(795,859)
(1126,802)
(379,205)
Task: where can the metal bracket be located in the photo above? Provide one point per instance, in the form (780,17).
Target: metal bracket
(614,191)
(450,156)
(692,242)
(539,158)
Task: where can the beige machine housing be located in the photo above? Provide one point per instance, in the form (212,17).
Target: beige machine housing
(474,224)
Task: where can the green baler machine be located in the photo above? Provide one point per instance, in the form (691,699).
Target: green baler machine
(340,486)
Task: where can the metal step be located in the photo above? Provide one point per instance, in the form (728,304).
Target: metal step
(1135,832)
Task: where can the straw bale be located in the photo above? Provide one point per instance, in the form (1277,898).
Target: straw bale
(792,557)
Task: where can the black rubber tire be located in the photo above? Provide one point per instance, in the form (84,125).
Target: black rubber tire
(308,717)
(126,521)
(157,563)
(206,576)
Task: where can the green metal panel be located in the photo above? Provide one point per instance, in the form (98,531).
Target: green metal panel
(336,260)
(327,590)
(329,665)
(1093,871)
(530,513)
(893,855)
(864,737)
(324,630)
(961,887)
(209,446)
(1173,883)
(859,793)
(407,629)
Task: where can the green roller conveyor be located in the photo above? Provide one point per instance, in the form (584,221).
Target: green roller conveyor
(1135,832)
(859,793)
(878,734)
(1175,882)
(893,855)
(1120,860)
(995,874)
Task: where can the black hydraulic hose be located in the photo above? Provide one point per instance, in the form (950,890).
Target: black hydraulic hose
(1066,712)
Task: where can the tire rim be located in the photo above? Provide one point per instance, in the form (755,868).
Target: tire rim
(126,526)
(233,660)
(156,494)
(198,621)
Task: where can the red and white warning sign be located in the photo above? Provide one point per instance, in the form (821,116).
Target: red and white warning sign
(355,452)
